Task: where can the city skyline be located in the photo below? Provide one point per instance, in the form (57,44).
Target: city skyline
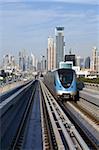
(27,25)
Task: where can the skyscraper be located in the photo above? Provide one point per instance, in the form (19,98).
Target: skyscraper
(80,62)
(50,54)
(59,33)
(8,62)
(34,62)
(87,63)
(98,64)
(94,59)
(22,60)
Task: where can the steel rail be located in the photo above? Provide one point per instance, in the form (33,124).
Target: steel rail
(87,124)
(55,129)
(89,97)
(44,128)
(63,120)
(89,110)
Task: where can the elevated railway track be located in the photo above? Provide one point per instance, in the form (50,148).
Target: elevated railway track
(84,121)
(31,118)
(70,128)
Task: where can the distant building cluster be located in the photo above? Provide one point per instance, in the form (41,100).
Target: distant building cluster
(55,58)
(27,62)
(9,63)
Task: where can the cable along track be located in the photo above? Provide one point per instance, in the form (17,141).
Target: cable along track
(66,135)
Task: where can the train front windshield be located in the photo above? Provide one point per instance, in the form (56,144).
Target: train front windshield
(66,77)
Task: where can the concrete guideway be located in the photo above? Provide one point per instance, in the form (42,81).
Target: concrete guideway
(12,91)
(90,96)
(90,128)
(10,86)
(92,91)
(56,132)
(23,122)
(4,105)
(71,135)
(11,113)
(92,86)
(33,138)
(91,109)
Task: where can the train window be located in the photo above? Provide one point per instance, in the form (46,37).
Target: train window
(66,77)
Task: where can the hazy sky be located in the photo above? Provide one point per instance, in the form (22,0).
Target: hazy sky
(26,24)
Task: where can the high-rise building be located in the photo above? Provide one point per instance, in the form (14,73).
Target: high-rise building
(80,62)
(50,54)
(22,60)
(87,63)
(59,33)
(95,61)
(43,64)
(34,62)
(94,57)
(8,62)
(28,63)
(39,66)
(98,64)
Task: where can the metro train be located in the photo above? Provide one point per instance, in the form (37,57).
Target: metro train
(62,83)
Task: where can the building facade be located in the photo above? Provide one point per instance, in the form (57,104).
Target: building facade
(22,60)
(98,65)
(87,63)
(80,62)
(94,58)
(59,45)
(34,62)
(50,54)
(43,64)
(9,62)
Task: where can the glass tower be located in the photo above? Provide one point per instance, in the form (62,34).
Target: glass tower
(59,34)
